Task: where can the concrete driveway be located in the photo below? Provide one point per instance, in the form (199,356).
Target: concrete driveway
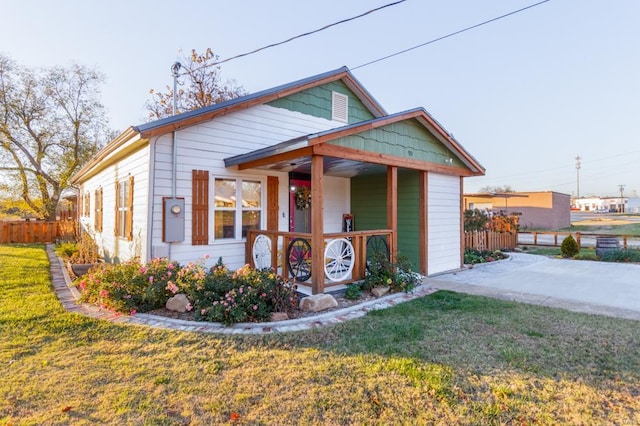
(604,288)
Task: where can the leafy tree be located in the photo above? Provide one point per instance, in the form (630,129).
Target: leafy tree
(200,85)
(51,124)
(475,220)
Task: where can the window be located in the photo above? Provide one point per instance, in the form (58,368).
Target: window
(124,209)
(97,218)
(232,219)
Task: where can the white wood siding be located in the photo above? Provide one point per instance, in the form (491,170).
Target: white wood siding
(204,147)
(336,194)
(444,223)
(112,247)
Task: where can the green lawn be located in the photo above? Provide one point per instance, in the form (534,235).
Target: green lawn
(442,359)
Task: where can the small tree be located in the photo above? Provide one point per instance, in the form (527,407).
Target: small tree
(475,220)
(569,247)
(200,85)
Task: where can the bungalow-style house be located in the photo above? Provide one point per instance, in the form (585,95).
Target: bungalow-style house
(310,178)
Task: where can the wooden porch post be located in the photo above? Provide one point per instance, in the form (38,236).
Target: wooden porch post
(392,208)
(462,221)
(317,225)
(423,211)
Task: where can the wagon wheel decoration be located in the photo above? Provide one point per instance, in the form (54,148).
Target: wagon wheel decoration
(377,249)
(262,252)
(299,259)
(338,259)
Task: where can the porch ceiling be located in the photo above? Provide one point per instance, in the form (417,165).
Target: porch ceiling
(338,167)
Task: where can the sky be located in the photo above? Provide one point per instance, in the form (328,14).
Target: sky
(524,95)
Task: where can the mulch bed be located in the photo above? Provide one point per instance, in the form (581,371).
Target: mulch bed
(343,302)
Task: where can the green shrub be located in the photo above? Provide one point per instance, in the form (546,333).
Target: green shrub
(66,249)
(475,220)
(353,292)
(382,272)
(216,295)
(586,255)
(569,247)
(247,295)
(473,256)
(129,287)
(622,255)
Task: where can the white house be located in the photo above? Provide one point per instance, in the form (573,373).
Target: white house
(267,177)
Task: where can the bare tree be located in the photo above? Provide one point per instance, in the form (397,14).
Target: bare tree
(200,85)
(496,189)
(51,124)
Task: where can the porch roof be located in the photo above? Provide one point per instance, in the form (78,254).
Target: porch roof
(295,154)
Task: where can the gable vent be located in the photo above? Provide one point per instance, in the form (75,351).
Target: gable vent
(340,107)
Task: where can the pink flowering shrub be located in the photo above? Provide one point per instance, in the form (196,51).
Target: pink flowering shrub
(130,286)
(247,295)
(215,295)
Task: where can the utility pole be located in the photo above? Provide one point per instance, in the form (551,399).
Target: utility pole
(175,72)
(621,210)
(578,175)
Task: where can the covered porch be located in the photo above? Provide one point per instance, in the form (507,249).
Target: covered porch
(371,151)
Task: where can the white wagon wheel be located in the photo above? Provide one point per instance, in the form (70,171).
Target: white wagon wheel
(262,252)
(338,259)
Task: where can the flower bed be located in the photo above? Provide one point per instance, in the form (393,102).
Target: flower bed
(215,295)
(472,256)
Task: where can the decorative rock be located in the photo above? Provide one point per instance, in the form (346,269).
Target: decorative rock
(318,302)
(178,303)
(380,290)
(279,316)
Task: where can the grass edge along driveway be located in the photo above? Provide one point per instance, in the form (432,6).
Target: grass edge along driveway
(446,359)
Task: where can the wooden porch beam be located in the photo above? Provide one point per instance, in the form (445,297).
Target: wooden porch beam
(337,151)
(273,159)
(317,225)
(423,211)
(392,208)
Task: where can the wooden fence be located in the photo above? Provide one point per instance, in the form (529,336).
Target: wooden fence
(584,239)
(489,240)
(36,231)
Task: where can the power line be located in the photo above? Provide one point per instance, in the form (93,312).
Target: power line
(451,34)
(300,35)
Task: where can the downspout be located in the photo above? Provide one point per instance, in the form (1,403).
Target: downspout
(175,70)
(151,201)
(174,174)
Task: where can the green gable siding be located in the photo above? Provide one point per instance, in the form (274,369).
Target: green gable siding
(369,208)
(317,102)
(407,139)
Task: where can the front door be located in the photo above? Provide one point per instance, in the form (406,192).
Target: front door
(300,206)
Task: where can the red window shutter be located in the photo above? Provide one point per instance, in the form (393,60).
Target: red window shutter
(199,207)
(129,224)
(272,203)
(97,220)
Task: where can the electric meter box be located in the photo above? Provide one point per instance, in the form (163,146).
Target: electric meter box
(173,219)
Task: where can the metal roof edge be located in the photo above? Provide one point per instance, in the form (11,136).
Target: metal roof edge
(237,101)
